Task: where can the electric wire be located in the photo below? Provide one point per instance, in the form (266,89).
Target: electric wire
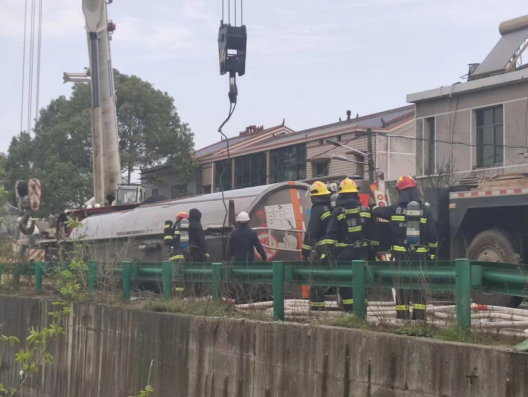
(23,69)
(31,63)
(39,48)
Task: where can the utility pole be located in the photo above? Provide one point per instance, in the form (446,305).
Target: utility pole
(370,156)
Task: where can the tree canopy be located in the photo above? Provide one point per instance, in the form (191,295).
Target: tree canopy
(60,152)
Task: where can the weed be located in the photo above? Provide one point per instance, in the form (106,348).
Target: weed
(345,321)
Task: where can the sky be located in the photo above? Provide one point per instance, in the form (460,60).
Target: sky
(308,61)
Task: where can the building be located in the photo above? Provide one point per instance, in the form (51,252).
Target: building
(478,127)
(261,156)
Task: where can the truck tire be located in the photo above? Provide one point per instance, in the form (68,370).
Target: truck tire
(494,246)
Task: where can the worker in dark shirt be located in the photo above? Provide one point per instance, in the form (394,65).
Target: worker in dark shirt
(197,247)
(401,216)
(244,241)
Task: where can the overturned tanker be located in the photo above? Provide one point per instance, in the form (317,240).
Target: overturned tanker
(278,212)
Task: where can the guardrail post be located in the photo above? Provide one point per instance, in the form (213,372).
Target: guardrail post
(127,275)
(358,281)
(38,277)
(215,280)
(92,276)
(278,290)
(463,293)
(166,269)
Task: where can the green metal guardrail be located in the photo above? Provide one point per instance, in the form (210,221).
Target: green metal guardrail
(462,276)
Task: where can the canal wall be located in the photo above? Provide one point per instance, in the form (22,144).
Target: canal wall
(107,351)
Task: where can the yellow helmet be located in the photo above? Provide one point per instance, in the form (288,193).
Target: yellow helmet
(319,189)
(347,186)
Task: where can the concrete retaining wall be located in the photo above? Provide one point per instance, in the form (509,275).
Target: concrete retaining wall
(107,351)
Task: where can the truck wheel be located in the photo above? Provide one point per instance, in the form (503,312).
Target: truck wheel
(494,246)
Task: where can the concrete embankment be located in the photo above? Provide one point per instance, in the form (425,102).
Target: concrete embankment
(107,351)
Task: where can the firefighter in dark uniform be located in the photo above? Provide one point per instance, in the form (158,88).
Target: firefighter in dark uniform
(314,244)
(349,235)
(399,217)
(179,244)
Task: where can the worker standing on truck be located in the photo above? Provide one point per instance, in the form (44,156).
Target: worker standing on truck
(197,248)
(349,234)
(314,244)
(244,241)
(414,236)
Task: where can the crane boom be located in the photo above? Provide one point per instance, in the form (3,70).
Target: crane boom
(107,166)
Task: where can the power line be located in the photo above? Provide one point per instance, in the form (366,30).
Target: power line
(39,46)
(31,54)
(23,69)
(450,143)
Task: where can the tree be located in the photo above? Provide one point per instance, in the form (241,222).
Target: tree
(150,130)
(60,153)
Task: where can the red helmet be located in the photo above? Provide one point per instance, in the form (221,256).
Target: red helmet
(405,182)
(182,215)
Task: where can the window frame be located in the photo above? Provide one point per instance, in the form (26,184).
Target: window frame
(315,167)
(155,192)
(250,170)
(497,130)
(431,146)
(295,158)
(228,176)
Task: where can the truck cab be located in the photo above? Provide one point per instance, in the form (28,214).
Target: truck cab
(129,194)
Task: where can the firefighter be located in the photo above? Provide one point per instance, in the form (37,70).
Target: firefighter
(314,244)
(349,234)
(244,241)
(197,248)
(180,240)
(410,221)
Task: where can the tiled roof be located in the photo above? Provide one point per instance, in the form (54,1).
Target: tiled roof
(374,121)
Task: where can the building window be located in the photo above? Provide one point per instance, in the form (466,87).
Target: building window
(430,140)
(490,137)
(288,164)
(178,191)
(320,169)
(250,170)
(338,138)
(155,192)
(321,141)
(223,170)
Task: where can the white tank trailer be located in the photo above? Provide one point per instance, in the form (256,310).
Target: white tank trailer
(279,212)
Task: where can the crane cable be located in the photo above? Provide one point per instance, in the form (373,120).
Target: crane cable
(34,56)
(39,48)
(31,62)
(23,70)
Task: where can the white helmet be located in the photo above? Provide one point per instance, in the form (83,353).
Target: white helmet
(242,217)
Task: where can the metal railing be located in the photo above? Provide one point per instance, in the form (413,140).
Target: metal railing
(462,276)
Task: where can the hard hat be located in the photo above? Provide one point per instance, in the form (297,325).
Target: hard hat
(405,182)
(319,189)
(181,215)
(97,206)
(347,186)
(242,217)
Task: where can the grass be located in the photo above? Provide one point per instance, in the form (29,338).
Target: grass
(452,333)
(201,307)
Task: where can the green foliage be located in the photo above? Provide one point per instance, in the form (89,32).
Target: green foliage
(419,329)
(345,320)
(150,130)
(146,392)
(60,154)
